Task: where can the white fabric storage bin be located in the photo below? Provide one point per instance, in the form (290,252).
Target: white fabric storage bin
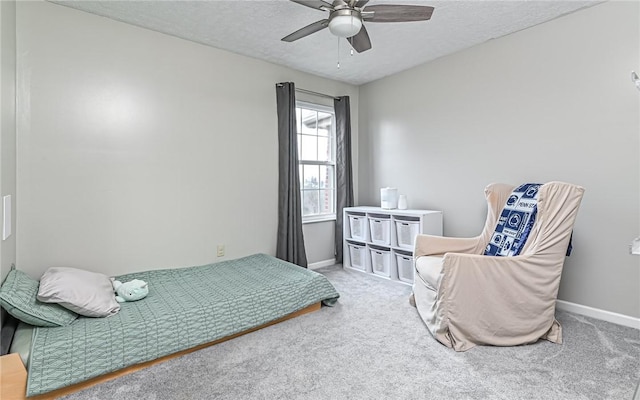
(404,261)
(357,255)
(380,261)
(407,231)
(380,229)
(358,226)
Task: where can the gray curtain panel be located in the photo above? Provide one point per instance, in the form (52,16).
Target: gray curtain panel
(344,176)
(290,242)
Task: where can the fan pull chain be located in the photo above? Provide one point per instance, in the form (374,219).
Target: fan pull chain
(338,53)
(351,52)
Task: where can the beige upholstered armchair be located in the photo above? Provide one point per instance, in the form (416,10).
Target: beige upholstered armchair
(467,298)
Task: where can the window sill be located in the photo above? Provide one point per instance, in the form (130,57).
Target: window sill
(323,218)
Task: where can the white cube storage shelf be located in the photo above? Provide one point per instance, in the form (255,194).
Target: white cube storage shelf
(381,242)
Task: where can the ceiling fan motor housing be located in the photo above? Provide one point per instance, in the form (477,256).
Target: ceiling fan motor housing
(345,22)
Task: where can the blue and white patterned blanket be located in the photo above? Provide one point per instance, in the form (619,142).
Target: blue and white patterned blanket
(515,222)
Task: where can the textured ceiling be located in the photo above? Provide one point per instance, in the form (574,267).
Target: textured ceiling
(254,28)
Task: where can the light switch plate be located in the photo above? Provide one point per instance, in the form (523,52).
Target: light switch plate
(6,217)
(634,247)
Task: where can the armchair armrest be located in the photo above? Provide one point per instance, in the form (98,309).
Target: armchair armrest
(492,300)
(429,245)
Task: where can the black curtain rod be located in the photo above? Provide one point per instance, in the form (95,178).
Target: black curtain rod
(317,94)
(314,93)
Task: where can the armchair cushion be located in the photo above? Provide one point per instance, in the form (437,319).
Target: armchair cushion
(429,269)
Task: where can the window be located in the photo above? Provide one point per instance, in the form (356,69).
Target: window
(317,161)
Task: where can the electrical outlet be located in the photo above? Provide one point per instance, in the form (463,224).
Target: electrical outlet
(220,250)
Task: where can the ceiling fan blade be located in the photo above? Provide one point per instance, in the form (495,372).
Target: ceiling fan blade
(307,30)
(317,4)
(396,13)
(359,3)
(360,42)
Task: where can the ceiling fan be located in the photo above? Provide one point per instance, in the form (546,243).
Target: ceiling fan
(346,19)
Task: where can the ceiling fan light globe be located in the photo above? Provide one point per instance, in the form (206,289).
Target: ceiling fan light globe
(345,25)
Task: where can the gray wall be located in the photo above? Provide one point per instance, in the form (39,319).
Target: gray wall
(319,242)
(553,102)
(139,150)
(8,126)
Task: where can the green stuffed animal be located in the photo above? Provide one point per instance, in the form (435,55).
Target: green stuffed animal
(130,291)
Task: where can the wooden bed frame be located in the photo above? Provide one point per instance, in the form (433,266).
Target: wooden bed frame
(13,375)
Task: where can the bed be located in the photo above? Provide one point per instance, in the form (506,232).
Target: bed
(186,308)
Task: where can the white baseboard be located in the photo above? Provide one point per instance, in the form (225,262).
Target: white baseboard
(608,316)
(320,264)
(597,313)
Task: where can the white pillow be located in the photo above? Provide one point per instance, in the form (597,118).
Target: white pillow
(83,292)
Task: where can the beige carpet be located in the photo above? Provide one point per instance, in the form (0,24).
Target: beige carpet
(373,345)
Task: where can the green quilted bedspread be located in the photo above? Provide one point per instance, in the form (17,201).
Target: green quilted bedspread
(185,307)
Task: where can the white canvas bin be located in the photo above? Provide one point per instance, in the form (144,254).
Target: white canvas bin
(357,254)
(380,229)
(380,261)
(406,233)
(405,266)
(358,226)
